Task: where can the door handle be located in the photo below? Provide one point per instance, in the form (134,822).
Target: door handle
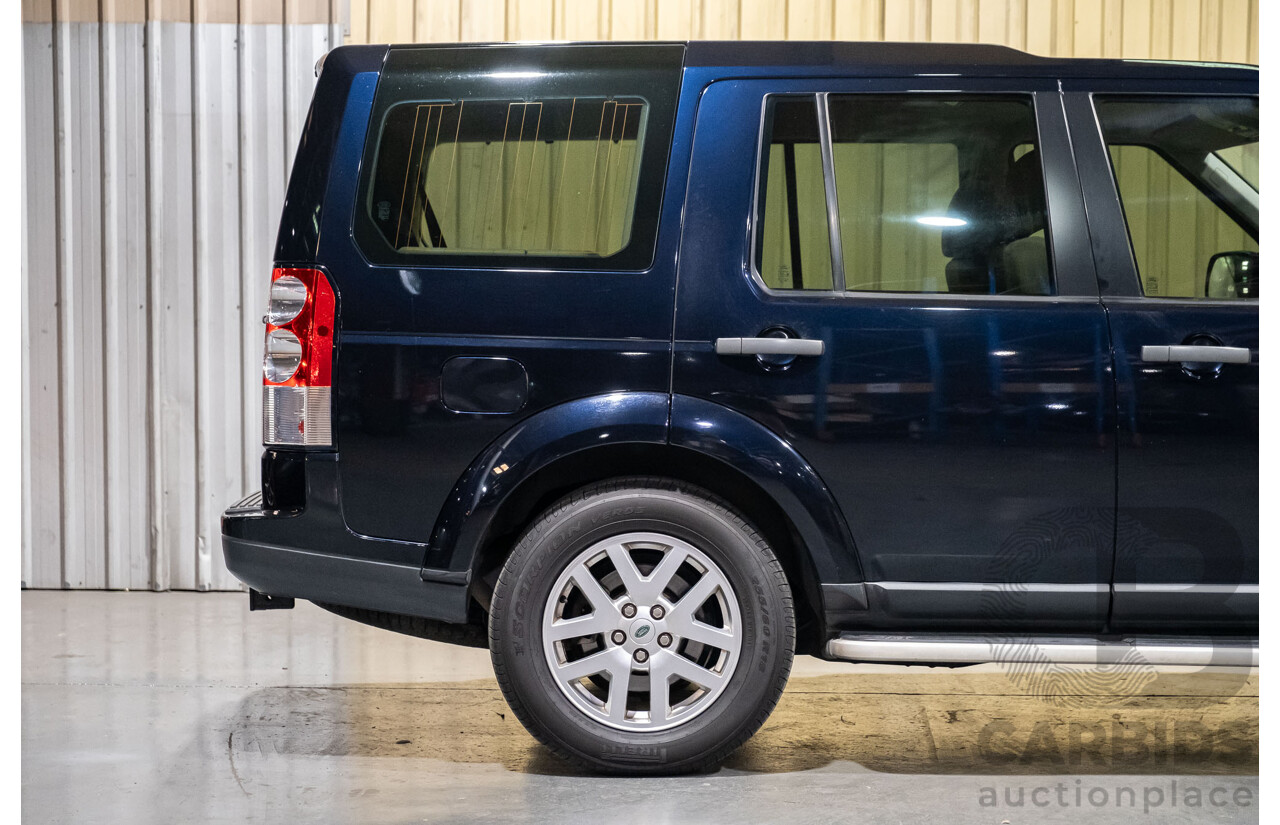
(1195,354)
(769,346)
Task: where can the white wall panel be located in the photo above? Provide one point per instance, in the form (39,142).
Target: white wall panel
(172,299)
(157,150)
(157,153)
(41,386)
(79,150)
(124,262)
(219,356)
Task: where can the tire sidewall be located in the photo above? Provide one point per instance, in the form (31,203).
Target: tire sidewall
(544,554)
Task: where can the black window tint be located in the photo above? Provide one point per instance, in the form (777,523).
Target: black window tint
(793,246)
(1186,171)
(939,195)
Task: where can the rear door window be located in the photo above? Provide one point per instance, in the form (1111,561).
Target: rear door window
(934,194)
(793,246)
(939,195)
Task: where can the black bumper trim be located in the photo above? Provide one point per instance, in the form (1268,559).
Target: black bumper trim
(458,577)
(342,580)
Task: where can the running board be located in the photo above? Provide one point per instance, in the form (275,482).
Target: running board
(939,649)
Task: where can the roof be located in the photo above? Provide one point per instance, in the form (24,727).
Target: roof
(943,58)
(872,58)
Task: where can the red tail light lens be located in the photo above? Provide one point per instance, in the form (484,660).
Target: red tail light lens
(298,359)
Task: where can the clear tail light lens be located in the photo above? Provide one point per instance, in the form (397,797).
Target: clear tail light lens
(297,366)
(288,297)
(284,356)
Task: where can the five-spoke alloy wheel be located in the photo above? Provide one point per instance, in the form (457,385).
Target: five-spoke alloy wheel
(642,626)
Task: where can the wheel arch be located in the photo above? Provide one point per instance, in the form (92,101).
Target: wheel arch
(548,484)
(647,434)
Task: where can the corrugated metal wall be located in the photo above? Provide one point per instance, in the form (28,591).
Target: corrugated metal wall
(159,134)
(158,141)
(1179,29)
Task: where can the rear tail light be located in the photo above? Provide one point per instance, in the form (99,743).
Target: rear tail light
(297,365)
(284,356)
(288,297)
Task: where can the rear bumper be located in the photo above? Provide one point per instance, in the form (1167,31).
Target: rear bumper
(310,554)
(301,574)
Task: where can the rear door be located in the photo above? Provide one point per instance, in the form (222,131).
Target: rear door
(909,259)
(1172,188)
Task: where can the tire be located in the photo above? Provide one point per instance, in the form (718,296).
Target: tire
(722,637)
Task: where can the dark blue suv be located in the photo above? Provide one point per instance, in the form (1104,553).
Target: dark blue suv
(650,365)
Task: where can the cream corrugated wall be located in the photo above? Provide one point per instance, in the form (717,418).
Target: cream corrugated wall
(158,138)
(1178,29)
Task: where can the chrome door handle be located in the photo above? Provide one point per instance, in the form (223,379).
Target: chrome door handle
(769,346)
(1195,354)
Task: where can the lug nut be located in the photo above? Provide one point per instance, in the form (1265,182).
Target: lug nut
(664,640)
(619,637)
(629,611)
(657,612)
(642,655)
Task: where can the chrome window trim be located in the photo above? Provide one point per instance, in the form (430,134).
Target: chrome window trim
(1149,300)
(827,152)
(833,214)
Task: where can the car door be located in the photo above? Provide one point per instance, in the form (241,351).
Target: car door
(894,277)
(1171,182)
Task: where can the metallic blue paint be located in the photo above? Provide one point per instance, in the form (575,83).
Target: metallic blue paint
(535,443)
(400,325)
(343,92)
(741,442)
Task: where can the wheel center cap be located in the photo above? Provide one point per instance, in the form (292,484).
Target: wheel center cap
(642,631)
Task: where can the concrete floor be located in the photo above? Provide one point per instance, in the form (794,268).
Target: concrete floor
(167,708)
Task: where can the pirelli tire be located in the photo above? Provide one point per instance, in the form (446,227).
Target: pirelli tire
(642,626)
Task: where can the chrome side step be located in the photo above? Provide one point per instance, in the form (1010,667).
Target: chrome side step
(941,649)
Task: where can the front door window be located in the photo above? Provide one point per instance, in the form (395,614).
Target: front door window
(1187,171)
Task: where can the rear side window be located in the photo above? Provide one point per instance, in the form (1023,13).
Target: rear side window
(550,176)
(793,246)
(518,157)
